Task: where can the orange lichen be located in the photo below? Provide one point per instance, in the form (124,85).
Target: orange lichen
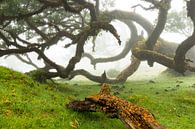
(131,114)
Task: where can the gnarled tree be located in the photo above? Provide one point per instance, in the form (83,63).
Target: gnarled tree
(26,29)
(38,29)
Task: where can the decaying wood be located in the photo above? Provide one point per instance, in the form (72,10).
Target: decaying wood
(133,116)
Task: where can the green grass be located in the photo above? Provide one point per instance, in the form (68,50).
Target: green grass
(172,100)
(25,104)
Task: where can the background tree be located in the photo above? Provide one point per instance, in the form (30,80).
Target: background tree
(178,23)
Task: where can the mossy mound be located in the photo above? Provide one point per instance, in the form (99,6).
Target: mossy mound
(12,78)
(25,103)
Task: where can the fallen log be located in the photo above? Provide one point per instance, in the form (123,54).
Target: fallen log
(133,116)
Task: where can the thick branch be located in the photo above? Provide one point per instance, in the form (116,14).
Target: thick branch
(123,53)
(152,39)
(82,37)
(124,15)
(121,78)
(154,56)
(186,44)
(130,70)
(99,79)
(31,49)
(159,27)
(15,51)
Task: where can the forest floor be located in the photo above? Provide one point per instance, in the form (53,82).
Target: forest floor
(25,104)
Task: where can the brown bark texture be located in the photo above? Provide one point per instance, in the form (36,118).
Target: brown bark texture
(133,116)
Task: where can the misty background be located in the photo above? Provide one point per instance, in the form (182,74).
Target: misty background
(104,40)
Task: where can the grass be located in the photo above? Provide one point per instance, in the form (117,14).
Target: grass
(25,104)
(172,100)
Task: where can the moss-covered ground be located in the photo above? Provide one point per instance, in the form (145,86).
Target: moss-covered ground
(25,104)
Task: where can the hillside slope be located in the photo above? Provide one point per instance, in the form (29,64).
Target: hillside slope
(25,104)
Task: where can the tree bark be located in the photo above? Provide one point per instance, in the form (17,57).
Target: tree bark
(129,70)
(186,44)
(124,52)
(133,116)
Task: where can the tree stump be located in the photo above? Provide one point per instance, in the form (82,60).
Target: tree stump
(133,116)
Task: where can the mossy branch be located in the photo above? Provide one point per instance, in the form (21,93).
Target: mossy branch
(133,116)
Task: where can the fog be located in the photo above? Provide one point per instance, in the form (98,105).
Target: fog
(104,40)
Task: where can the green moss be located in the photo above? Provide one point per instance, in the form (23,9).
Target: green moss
(26,104)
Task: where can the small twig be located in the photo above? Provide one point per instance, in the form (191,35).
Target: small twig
(145,8)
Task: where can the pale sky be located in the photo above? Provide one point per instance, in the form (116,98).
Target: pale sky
(127,4)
